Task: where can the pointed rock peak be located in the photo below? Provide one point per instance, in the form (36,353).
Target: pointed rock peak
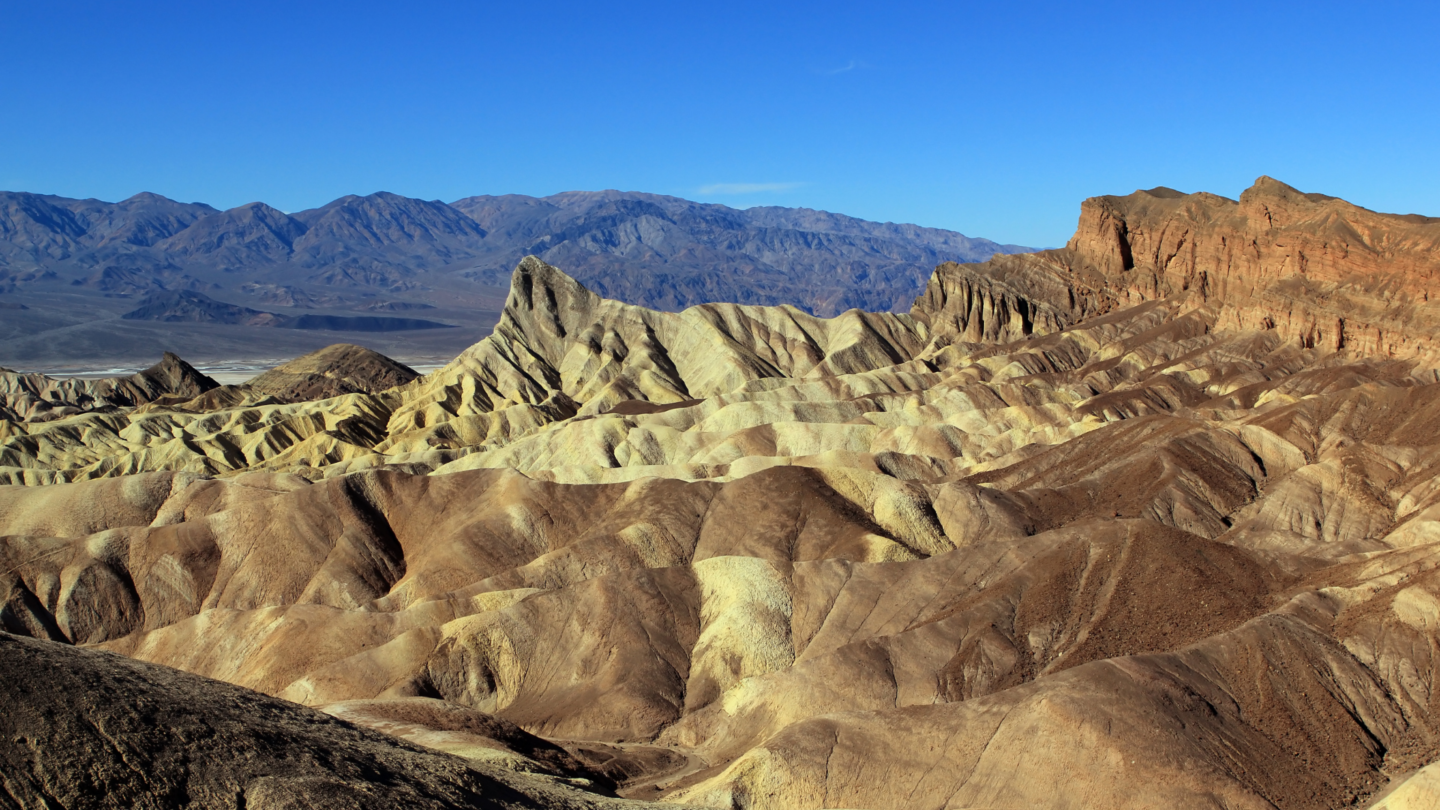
(543,295)
(172,375)
(432,218)
(533,274)
(147,197)
(340,355)
(259,209)
(1269,188)
(1163,192)
(172,363)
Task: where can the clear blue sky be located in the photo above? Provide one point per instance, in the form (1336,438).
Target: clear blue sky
(988,118)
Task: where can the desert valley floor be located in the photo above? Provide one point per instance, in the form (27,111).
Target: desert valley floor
(1151,520)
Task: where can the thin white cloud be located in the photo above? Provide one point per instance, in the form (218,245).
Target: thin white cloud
(747,188)
(853,64)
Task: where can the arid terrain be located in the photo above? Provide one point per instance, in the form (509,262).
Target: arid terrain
(1151,520)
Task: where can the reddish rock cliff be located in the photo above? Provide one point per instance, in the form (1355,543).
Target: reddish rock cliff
(1319,271)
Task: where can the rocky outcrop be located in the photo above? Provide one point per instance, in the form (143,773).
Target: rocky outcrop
(561,352)
(1002,302)
(1315,270)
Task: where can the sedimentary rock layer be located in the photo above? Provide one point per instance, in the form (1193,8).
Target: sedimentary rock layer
(1313,269)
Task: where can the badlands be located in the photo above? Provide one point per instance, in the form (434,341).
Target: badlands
(1151,520)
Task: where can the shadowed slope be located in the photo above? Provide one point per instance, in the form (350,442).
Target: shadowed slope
(88,729)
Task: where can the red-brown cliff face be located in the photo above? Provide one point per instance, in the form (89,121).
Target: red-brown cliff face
(1320,271)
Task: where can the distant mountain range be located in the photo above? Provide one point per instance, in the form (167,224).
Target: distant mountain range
(384,253)
(669,253)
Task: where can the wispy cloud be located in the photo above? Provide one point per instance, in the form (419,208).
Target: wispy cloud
(853,64)
(747,188)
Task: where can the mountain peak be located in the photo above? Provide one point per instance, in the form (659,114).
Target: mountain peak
(173,376)
(147,196)
(343,368)
(258,208)
(1163,192)
(1266,187)
(546,296)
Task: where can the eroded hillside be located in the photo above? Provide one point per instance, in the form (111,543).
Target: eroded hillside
(1150,520)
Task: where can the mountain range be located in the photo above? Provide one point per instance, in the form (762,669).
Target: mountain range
(78,266)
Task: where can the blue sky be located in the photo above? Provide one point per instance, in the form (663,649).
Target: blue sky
(991,119)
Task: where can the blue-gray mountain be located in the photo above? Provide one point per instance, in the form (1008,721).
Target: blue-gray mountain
(669,253)
(644,248)
(77,263)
